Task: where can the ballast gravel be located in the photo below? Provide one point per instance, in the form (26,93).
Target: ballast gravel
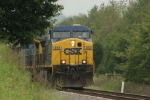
(76,96)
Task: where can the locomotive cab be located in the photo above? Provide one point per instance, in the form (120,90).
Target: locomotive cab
(72,56)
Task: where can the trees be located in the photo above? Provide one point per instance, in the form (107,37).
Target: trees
(98,53)
(135,26)
(137,65)
(23,20)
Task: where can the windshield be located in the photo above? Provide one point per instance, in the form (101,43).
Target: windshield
(81,34)
(61,34)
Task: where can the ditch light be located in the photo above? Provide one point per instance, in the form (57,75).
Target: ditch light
(84,61)
(63,61)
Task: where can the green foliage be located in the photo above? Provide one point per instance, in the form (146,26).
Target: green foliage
(103,20)
(135,25)
(23,20)
(98,53)
(110,62)
(138,54)
(15,83)
(127,50)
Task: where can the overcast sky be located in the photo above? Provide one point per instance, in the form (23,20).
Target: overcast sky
(74,7)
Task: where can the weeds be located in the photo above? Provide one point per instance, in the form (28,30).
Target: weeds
(15,83)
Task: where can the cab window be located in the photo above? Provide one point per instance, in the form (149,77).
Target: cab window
(61,34)
(81,34)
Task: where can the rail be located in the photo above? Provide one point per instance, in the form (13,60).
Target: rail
(108,94)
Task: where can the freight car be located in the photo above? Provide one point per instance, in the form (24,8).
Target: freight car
(64,55)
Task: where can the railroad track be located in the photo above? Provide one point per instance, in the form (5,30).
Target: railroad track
(109,95)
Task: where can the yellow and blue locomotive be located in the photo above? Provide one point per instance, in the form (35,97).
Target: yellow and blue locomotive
(64,55)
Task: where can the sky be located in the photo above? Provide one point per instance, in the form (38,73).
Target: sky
(75,7)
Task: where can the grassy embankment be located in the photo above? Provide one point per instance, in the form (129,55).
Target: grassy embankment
(15,84)
(113,83)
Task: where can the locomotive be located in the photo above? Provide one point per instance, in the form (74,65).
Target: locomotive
(64,55)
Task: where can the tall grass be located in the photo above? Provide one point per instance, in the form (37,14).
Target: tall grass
(15,84)
(137,88)
(107,82)
(113,82)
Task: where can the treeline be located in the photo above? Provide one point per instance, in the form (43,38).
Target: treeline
(121,38)
(23,20)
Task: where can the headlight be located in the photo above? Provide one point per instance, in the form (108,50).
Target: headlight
(84,62)
(57,47)
(87,47)
(63,61)
(72,43)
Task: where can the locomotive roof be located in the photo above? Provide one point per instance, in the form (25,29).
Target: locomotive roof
(71,28)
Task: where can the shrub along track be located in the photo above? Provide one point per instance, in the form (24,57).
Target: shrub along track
(107,94)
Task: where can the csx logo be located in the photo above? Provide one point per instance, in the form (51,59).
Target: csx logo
(72,51)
